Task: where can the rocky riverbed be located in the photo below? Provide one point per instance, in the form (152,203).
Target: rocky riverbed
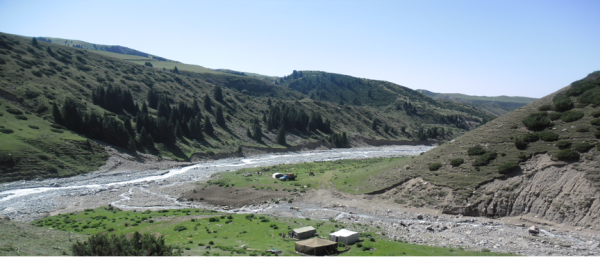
(159,189)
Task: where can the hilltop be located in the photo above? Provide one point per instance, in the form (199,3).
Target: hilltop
(540,161)
(61,105)
(496,105)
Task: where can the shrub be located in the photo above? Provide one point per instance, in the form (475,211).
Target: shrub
(180,228)
(531,137)
(596,114)
(520,143)
(537,121)
(582,129)
(567,155)
(583,147)
(14,111)
(113,245)
(595,122)
(554,116)
(21,117)
(457,162)
(597,134)
(476,150)
(548,136)
(570,116)
(523,157)
(485,159)
(6,131)
(508,167)
(57,130)
(435,166)
(545,107)
(563,104)
(580,86)
(563,144)
(34,127)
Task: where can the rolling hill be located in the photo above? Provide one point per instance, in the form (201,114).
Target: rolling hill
(496,105)
(539,161)
(61,104)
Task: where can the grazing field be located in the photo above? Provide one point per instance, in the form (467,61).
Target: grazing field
(350,176)
(231,234)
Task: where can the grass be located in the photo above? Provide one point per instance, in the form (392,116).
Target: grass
(24,239)
(42,153)
(350,176)
(227,233)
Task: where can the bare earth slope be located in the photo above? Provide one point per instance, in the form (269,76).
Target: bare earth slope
(543,185)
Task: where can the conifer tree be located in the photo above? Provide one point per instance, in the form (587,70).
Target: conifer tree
(56,114)
(219,117)
(281,136)
(257,131)
(218,93)
(248,133)
(34,42)
(49,51)
(131,145)
(208,128)
(207,103)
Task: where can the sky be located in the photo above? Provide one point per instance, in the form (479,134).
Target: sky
(485,47)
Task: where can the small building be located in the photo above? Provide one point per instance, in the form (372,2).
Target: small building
(316,246)
(344,236)
(303,233)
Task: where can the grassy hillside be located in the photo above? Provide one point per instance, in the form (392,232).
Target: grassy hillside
(563,125)
(108,99)
(496,105)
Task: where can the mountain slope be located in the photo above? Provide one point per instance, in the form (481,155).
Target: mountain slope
(496,105)
(541,161)
(72,95)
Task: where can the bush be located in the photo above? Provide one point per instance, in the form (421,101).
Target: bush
(545,107)
(113,245)
(583,147)
(485,159)
(554,116)
(597,134)
(582,129)
(523,157)
(548,136)
(14,111)
(595,122)
(476,150)
(531,137)
(563,144)
(537,121)
(180,228)
(6,131)
(21,117)
(435,166)
(570,116)
(34,127)
(567,155)
(520,143)
(457,162)
(596,114)
(57,130)
(563,104)
(508,167)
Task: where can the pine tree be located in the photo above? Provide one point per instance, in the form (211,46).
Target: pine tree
(208,128)
(281,136)
(131,145)
(219,117)
(49,51)
(34,42)
(175,70)
(207,103)
(218,94)
(256,128)
(269,102)
(248,133)
(56,114)
(374,124)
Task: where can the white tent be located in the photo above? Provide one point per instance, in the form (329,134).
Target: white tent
(344,236)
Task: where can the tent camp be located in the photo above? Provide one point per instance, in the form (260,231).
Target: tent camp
(316,246)
(344,236)
(305,232)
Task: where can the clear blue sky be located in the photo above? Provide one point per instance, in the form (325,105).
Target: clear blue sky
(484,47)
